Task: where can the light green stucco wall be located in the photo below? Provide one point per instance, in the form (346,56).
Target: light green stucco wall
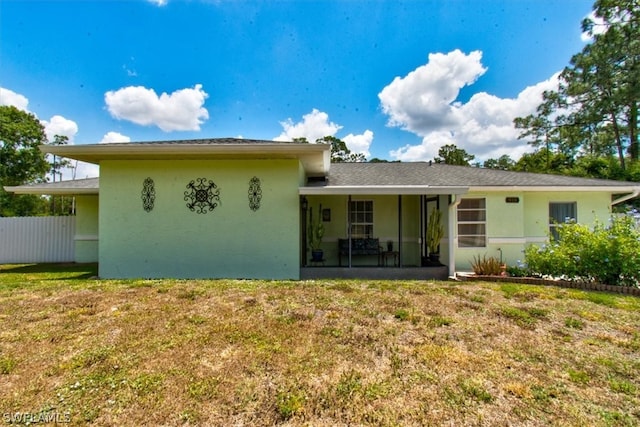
(513,226)
(231,241)
(385,213)
(86,235)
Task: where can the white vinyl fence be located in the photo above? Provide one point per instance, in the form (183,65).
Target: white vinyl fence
(37,239)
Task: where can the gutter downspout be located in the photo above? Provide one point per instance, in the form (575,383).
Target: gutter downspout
(452,226)
(625,198)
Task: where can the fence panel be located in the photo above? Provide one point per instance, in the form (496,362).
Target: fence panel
(37,239)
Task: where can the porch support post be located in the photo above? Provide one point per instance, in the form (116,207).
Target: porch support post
(348,228)
(453,221)
(303,231)
(400,230)
(421,239)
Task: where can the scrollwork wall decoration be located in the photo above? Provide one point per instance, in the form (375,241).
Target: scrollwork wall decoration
(148,194)
(202,195)
(255,194)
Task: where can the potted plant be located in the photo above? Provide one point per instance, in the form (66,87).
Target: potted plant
(315,235)
(435,233)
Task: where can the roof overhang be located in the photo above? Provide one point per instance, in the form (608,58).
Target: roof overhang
(60,188)
(380,190)
(613,189)
(315,158)
(42,189)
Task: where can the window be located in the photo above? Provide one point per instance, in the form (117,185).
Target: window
(472,223)
(361,218)
(559,213)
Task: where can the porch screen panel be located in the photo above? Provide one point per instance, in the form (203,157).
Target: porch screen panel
(472,223)
(361,218)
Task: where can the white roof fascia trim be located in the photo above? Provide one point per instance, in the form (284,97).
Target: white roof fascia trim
(524,188)
(380,189)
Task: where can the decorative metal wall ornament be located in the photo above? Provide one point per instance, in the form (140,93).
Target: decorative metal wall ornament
(148,195)
(255,194)
(202,195)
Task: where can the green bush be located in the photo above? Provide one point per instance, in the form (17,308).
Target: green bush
(606,254)
(519,270)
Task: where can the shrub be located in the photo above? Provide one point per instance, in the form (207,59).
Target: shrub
(606,254)
(518,270)
(486,266)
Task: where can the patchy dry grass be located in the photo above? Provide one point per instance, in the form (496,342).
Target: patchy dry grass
(314,353)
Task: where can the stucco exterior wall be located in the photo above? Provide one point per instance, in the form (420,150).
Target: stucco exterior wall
(513,226)
(232,241)
(86,234)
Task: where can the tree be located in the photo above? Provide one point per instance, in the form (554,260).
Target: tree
(598,167)
(450,154)
(504,163)
(21,161)
(378,160)
(339,151)
(544,161)
(595,109)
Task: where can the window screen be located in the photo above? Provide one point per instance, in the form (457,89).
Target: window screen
(472,223)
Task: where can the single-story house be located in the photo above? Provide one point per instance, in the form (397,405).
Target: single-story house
(236,208)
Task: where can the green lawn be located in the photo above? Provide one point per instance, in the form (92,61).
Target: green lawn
(231,352)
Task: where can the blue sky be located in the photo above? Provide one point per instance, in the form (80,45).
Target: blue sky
(394,79)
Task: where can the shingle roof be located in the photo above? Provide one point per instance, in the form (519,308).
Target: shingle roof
(447,178)
(207,141)
(442,175)
(72,187)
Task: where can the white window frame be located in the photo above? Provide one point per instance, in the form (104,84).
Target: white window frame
(483,222)
(363,223)
(554,222)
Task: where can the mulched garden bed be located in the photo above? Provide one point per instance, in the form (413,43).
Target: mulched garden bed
(549,282)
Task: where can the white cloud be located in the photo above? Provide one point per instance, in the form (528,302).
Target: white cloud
(359,144)
(59,125)
(114,137)
(424,103)
(159,2)
(423,100)
(313,126)
(9,97)
(316,125)
(599,27)
(181,110)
